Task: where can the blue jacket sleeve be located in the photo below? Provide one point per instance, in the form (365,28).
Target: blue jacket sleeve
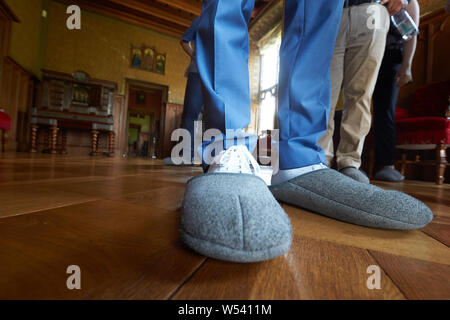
(190,33)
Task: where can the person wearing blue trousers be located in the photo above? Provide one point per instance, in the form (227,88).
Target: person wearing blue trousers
(229,213)
(193,98)
(193,103)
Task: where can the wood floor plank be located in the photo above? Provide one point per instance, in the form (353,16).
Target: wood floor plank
(438,231)
(66,180)
(111,189)
(116,218)
(16,200)
(168,198)
(414,244)
(441,220)
(311,270)
(416,279)
(125,251)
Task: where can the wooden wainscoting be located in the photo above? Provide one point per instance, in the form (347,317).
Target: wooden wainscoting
(172,121)
(431,62)
(6,18)
(16,98)
(120,124)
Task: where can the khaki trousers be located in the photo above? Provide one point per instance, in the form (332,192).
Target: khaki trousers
(356,61)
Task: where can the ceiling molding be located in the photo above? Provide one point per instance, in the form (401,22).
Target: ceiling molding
(149,14)
(157,10)
(268,18)
(171,17)
(191,6)
(7,12)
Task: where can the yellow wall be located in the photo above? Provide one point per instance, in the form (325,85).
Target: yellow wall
(102,48)
(25,36)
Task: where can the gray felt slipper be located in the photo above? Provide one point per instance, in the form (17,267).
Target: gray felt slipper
(389,174)
(169,162)
(234,217)
(355,174)
(337,196)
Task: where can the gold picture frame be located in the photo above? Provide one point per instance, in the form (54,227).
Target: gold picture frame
(148,59)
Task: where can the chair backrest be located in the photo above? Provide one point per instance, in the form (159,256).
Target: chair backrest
(431,100)
(5,121)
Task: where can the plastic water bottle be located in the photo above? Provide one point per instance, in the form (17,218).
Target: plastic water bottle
(405,25)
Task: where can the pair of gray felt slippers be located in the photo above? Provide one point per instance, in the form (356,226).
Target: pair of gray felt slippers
(235,217)
(389,174)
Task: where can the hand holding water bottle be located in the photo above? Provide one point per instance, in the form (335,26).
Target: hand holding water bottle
(401,19)
(393,6)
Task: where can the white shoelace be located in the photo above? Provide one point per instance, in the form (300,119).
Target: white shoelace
(236,159)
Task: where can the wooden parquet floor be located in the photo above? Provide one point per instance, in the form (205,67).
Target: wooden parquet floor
(117,219)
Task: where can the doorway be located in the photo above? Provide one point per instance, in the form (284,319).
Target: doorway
(146,103)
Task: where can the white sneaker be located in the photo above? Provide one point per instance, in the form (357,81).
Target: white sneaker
(236,159)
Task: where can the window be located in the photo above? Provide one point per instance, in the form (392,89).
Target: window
(268,84)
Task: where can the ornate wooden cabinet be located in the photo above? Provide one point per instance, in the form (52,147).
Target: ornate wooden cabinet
(73,101)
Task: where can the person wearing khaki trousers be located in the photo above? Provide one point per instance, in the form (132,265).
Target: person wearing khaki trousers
(356,61)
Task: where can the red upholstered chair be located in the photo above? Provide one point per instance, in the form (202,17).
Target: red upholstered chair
(5,126)
(426,125)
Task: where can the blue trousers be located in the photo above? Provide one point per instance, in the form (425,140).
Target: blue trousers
(310,32)
(193,103)
(222,50)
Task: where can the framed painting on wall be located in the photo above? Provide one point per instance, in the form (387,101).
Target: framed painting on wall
(148,59)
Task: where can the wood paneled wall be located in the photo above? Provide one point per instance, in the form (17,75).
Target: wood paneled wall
(16,98)
(120,124)
(5,34)
(6,18)
(15,82)
(432,59)
(172,122)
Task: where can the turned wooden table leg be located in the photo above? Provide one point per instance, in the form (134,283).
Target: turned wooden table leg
(403,163)
(94,142)
(46,141)
(111,143)
(33,138)
(64,141)
(53,138)
(4,138)
(441,161)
